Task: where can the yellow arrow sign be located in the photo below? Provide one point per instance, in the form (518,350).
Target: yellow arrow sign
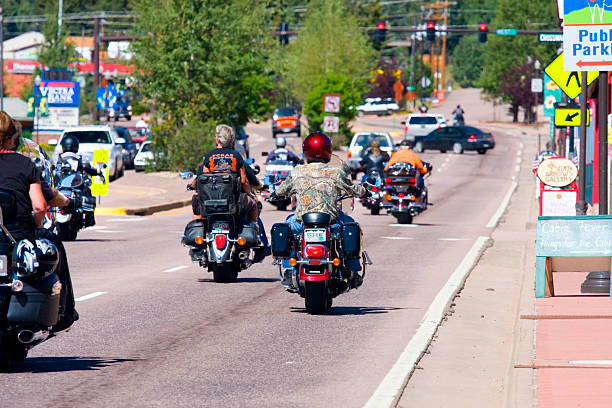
(568,81)
(569,117)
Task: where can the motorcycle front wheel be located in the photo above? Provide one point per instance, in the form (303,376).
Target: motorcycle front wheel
(66,231)
(225,273)
(315,298)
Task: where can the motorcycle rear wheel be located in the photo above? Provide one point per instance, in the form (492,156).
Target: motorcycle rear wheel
(403,218)
(315,298)
(225,273)
(375,210)
(5,358)
(66,231)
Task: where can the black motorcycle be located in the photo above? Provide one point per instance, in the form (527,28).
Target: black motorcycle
(221,241)
(403,198)
(29,288)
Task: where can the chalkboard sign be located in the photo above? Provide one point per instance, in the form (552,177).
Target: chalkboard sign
(581,236)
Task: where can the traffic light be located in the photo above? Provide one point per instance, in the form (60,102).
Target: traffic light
(381,32)
(431,31)
(283,38)
(482,33)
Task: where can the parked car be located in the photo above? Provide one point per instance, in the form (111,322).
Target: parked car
(144,156)
(455,138)
(286,120)
(378,106)
(421,124)
(129,147)
(139,135)
(362,140)
(95,137)
(242,141)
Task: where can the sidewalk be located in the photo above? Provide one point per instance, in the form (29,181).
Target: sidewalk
(144,194)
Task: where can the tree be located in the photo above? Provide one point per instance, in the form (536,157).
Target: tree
(504,52)
(468,59)
(55,53)
(350,92)
(330,41)
(516,86)
(202,62)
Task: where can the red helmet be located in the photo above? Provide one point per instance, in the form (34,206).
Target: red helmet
(317,147)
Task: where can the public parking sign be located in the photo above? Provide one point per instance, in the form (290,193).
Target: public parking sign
(587,35)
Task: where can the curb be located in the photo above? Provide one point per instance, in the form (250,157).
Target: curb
(143,211)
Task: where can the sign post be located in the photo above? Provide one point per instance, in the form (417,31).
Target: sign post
(331,104)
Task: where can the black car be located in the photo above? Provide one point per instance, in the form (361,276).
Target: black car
(455,138)
(130,148)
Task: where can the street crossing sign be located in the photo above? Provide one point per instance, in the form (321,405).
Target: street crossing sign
(568,81)
(587,36)
(568,114)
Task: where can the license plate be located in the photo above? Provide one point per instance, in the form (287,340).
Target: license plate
(3,265)
(221,226)
(315,235)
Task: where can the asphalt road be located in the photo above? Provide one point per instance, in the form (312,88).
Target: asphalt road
(155,331)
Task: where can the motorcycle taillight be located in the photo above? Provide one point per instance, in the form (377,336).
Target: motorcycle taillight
(412,180)
(220,241)
(314,251)
(374,189)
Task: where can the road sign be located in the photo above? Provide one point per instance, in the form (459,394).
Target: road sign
(587,36)
(331,124)
(331,103)
(425,82)
(537,85)
(99,185)
(550,37)
(552,95)
(568,81)
(505,31)
(568,115)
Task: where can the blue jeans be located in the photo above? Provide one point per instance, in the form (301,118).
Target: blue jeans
(297,227)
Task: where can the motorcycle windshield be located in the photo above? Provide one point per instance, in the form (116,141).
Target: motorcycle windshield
(279,166)
(39,156)
(73,180)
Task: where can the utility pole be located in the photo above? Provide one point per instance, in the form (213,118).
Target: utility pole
(581,205)
(59,19)
(603,142)
(1,59)
(96,58)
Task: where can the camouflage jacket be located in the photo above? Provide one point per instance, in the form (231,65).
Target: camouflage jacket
(317,187)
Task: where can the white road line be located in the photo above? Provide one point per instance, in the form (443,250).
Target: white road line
(522,145)
(398,238)
(517,168)
(176,268)
(390,389)
(593,362)
(502,207)
(108,231)
(404,225)
(90,296)
(519,160)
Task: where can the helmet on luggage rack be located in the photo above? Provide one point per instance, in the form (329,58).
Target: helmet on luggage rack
(40,257)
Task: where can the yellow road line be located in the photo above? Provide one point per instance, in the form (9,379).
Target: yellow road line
(173,212)
(110,211)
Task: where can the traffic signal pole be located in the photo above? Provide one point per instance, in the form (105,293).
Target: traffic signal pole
(96,58)
(602,124)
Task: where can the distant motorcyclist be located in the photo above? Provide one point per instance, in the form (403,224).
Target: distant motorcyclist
(282,153)
(406,155)
(374,159)
(459,120)
(317,186)
(70,157)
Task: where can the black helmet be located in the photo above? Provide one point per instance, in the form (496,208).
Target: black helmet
(70,144)
(31,258)
(407,143)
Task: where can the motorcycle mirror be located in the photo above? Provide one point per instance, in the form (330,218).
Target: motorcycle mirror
(256,168)
(403,122)
(186,175)
(264,154)
(250,160)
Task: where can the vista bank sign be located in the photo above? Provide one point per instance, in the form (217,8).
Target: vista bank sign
(59,93)
(587,35)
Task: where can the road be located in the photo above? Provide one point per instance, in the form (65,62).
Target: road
(155,331)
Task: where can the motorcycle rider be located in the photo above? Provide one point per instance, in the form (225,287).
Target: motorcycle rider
(374,159)
(406,155)
(282,153)
(19,175)
(317,186)
(458,118)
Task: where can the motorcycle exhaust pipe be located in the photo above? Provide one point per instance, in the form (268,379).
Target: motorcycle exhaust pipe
(28,336)
(242,255)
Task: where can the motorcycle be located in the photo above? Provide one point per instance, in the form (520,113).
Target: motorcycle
(75,185)
(317,258)
(220,241)
(373,182)
(276,172)
(29,289)
(402,196)
(41,160)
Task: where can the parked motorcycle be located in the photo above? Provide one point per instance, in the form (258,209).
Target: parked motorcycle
(276,172)
(402,196)
(221,241)
(29,288)
(76,185)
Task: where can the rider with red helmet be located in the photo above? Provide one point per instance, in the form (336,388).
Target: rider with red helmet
(317,186)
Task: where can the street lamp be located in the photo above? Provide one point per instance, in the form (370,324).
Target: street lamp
(37,82)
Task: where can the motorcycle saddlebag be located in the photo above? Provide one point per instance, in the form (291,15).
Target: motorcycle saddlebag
(218,193)
(249,233)
(281,240)
(351,239)
(37,303)
(193,229)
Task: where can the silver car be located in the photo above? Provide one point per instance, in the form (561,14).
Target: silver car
(421,124)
